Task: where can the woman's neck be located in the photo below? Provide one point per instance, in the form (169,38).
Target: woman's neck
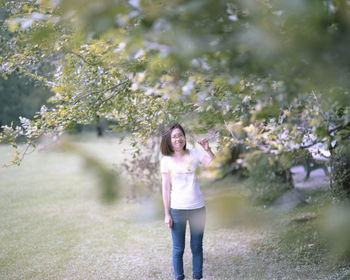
(179,153)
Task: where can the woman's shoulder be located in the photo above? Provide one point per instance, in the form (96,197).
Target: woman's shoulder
(164,163)
(165,158)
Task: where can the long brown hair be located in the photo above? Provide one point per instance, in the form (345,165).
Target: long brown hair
(165,145)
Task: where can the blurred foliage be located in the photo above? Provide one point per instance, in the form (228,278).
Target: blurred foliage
(107,178)
(216,55)
(268,75)
(231,207)
(336,229)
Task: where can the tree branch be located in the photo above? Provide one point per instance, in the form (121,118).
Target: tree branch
(229,130)
(99,91)
(319,105)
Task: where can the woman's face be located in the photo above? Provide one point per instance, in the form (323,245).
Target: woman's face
(178,140)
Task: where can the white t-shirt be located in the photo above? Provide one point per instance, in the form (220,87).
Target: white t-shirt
(185,192)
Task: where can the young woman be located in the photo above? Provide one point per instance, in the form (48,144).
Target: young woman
(184,201)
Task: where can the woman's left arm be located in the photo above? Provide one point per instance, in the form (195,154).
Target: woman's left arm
(210,155)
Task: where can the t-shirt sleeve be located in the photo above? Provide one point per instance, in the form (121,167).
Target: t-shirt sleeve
(164,166)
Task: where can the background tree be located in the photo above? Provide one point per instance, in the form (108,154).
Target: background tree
(19,97)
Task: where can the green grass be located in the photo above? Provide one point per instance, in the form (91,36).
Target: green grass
(53,226)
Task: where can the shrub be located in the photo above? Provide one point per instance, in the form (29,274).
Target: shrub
(341,170)
(268,179)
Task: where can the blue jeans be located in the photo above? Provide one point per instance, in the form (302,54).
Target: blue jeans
(196,218)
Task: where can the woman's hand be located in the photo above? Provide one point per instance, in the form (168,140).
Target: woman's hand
(206,160)
(168,221)
(204,143)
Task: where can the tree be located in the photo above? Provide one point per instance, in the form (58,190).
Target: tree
(276,69)
(20,97)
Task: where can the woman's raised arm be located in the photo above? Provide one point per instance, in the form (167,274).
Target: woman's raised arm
(210,155)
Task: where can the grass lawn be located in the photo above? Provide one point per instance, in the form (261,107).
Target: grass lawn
(53,226)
